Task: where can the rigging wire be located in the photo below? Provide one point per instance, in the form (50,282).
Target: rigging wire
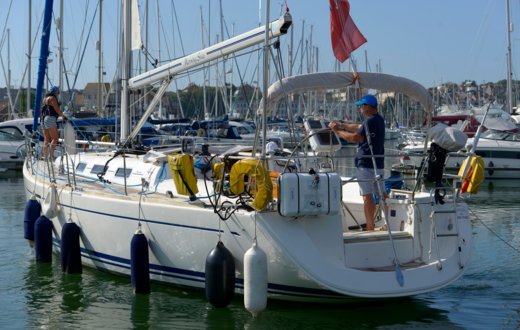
(85,47)
(494,232)
(15,103)
(5,25)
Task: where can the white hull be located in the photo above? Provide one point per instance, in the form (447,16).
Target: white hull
(501,158)
(310,258)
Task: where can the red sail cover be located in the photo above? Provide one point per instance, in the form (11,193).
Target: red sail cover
(344,34)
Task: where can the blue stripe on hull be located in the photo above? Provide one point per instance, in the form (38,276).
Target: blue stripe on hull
(198,277)
(141,219)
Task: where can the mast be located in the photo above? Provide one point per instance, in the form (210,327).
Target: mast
(259,54)
(207,114)
(100,67)
(42,62)
(509,66)
(161,111)
(266,80)
(224,71)
(231,76)
(126,68)
(290,52)
(29,51)
(10,106)
(60,52)
(204,70)
(146,36)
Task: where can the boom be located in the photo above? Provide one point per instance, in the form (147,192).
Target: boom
(248,39)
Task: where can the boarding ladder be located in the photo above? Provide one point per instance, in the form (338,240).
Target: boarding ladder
(436,199)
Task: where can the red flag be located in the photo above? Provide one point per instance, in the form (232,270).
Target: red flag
(344,34)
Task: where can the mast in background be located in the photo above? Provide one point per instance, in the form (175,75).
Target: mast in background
(10,107)
(509,66)
(100,66)
(265,80)
(161,110)
(60,51)
(29,53)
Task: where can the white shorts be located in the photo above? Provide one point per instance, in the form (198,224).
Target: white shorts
(49,122)
(367,182)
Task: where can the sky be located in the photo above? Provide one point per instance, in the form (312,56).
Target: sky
(431,42)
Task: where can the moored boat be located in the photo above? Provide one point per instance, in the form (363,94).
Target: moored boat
(306,218)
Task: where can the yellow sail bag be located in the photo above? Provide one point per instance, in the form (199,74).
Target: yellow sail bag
(183,173)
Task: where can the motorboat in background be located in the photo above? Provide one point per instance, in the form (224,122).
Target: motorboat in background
(12,150)
(468,121)
(499,148)
(500,151)
(12,143)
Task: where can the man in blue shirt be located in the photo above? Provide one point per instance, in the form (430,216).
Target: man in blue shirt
(370,137)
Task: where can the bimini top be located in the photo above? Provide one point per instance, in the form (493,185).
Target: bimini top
(336,80)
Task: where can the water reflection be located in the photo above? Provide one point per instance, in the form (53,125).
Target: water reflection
(95,299)
(361,314)
(220,318)
(497,185)
(72,296)
(140,314)
(41,296)
(9,174)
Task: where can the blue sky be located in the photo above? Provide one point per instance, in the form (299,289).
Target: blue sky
(428,41)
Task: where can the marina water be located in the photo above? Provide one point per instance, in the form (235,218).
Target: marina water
(40,296)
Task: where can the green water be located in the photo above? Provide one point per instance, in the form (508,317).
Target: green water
(39,296)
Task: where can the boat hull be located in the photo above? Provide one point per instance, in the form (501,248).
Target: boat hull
(310,258)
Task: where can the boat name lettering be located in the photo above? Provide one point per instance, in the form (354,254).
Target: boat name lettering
(196,58)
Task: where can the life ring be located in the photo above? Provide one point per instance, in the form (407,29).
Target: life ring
(475,175)
(255,169)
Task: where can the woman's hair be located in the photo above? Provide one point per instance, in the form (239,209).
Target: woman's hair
(54,90)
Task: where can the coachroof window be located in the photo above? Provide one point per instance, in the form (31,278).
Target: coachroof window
(81,167)
(123,172)
(97,169)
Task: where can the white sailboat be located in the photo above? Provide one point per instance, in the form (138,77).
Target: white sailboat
(304,222)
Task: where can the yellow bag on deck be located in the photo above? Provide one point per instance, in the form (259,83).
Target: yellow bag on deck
(183,173)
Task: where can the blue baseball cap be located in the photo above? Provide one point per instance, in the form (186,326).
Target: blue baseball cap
(54,90)
(369,100)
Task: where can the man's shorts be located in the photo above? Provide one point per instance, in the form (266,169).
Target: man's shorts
(366,180)
(49,122)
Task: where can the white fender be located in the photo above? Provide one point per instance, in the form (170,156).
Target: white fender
(50,206)
(69,138)
(255,279)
